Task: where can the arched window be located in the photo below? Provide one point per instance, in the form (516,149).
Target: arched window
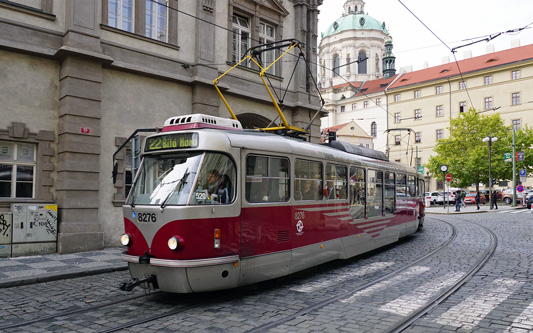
(336,65)
(362,63)
(374,129)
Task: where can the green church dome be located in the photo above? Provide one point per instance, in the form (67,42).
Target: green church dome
(355,22)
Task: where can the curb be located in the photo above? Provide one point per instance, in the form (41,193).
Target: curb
(16,282)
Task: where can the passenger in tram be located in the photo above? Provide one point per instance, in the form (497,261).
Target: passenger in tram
(309,190)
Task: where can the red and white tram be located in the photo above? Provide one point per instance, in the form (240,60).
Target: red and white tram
(214,206)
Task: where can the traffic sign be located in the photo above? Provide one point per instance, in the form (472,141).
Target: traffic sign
(448,178)
(421,169)
(522,172)
(520,188)
(520,156)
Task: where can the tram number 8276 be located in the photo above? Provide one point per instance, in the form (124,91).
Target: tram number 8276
(147,217)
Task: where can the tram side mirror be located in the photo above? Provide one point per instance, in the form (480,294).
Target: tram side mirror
(115,172)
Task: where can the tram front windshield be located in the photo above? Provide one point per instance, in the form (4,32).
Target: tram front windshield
(194,178)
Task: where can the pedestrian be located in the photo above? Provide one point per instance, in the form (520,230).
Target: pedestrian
(478,199)
(457,201)
(494,200)
(463,195)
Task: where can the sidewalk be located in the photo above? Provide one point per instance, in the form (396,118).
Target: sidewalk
(42,268)
(469,209)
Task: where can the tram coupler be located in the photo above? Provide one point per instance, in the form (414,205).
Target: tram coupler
(129,286)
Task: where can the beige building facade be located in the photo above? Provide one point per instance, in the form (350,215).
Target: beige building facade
(421,103)
(77,77)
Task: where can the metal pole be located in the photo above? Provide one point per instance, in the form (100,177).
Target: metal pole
(490,176)
(514,170)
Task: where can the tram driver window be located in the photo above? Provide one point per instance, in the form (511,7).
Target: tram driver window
(308,181)
(336,182)
(375,193)
(357,193)
(267,179)
(216,181)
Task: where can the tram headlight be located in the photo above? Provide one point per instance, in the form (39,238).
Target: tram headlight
(125,239)
(175,243)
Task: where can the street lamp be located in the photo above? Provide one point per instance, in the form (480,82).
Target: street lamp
(490,140)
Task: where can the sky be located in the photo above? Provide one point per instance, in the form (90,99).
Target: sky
(455,22)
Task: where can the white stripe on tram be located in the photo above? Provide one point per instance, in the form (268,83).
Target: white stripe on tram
(411,272)
(473,309)
(414,300)
(339,278)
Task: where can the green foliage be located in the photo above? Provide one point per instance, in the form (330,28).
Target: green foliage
(467,156)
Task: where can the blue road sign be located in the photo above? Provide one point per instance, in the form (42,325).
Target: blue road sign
(522,172)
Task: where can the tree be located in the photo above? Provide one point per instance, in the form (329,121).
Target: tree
(467,156)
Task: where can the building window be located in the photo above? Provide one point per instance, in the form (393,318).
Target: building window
(397,97)
(336,65)
(488,103)
(516,125)
(438,90)
(120,14)
(462,106)
(365,104)
(418,137)
(374,129)
(417,93)
(397,117)
(267,35)
(157,20)
(397,140)
(515,75)
(343,108)
(515,98)
(439,111)
(418,114)
(17,169)
(462,85)
(362,62)
(378,101)
(440,134)
(241,38)
(488,80)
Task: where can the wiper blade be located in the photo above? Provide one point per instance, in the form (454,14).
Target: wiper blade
(178,184)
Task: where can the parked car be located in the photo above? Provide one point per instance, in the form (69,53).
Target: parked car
(528,194)
(445,196)
(507,196)
(432,197)
(470,198)
(529,202)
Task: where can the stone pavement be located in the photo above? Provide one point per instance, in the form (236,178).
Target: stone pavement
(41,268)
(470,209)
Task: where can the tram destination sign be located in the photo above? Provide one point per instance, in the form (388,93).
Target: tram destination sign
(171,141)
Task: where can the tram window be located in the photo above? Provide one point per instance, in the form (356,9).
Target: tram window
(267,179)
(389,193)
(421,187)
(401,186)
(411,186)
(336,182)
(375,193)
(308,181)
(357,193)
(216,181)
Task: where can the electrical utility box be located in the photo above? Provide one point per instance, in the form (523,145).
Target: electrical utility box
(34,229)
(6,229)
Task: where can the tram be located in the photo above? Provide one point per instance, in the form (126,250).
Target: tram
(214,206)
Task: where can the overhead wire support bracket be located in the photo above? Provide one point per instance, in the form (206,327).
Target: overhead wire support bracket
(252,55)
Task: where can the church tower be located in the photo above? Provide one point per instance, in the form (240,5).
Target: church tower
(353,48)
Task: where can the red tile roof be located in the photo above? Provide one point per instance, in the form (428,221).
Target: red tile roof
(334,128)
(374,86)
(494,59)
